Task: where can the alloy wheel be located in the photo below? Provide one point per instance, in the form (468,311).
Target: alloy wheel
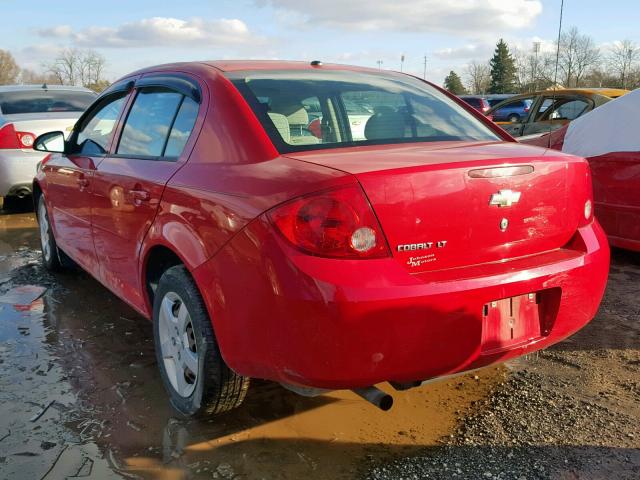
(45,232)
(178,344)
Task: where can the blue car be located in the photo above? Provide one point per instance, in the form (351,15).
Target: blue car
(513,112)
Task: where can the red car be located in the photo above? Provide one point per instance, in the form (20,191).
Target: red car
(479,103)
(432,246)
(608,139)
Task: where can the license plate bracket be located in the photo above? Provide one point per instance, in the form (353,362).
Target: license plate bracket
(510,322)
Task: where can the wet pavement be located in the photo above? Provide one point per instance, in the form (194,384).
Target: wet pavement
(80,396)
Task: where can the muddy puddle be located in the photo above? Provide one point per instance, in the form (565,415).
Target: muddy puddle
(80,396)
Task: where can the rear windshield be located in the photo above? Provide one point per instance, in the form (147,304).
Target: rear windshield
(41,101)
(474,102)
(307,110)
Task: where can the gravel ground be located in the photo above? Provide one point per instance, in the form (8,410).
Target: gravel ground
(571,412)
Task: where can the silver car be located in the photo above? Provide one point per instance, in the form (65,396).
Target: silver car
(27,111)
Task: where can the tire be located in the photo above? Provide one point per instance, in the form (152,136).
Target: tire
(514,118)
(193,372)
(53,258)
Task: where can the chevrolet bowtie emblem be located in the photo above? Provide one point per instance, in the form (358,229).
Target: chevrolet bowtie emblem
(504,198)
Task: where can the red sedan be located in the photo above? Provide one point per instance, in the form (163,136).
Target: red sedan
(427,245)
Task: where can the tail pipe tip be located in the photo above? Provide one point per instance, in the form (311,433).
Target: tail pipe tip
(376,397)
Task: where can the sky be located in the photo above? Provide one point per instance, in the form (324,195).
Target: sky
(450,33)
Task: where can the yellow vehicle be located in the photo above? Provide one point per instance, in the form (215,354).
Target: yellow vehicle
(549,110)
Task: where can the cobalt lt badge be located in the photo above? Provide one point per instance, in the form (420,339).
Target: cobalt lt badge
(504,223)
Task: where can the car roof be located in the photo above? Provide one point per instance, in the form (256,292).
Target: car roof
(241,65)
(228,66)
(607,92)
(23,88)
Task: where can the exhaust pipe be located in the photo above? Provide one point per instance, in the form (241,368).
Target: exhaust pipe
(22,193)
(376,397)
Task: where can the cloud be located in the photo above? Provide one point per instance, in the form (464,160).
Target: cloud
(469,17)
(465,52)
(33,56)
(160,31)
(60,31)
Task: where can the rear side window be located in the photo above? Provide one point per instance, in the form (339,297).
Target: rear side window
(158,125)
(44,101)
(182,127)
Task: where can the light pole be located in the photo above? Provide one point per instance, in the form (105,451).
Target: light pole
(424,73)
(401,61)
(379,62)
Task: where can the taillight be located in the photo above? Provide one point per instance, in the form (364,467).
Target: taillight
(10,139)
(587,207)
(336,223)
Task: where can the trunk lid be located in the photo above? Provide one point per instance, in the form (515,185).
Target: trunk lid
(456,204)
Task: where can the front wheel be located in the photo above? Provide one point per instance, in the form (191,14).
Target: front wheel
(50,257)
(192,369)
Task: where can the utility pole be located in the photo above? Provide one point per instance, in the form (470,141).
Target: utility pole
(424,73)
(401,61)
(536,51)
(379,62)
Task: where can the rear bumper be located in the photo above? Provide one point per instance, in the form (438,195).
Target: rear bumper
(17,169)
(297,319)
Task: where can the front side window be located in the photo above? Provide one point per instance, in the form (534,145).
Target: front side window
(305,110)
(568,109)
(95,135)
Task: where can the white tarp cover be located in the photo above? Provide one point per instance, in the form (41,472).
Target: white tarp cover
(613,127)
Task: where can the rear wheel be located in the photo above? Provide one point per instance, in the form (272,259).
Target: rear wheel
(514,118)
(192,369)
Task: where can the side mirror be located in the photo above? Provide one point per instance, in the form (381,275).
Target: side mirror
(52,142)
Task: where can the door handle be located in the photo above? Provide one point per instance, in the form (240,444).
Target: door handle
(139,196)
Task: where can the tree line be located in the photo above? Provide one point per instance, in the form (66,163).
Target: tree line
(71,67)
(575,62)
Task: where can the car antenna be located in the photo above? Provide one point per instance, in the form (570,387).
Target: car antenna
(555,75)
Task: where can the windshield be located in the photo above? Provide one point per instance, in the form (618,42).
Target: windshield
(42,101)
(306,110)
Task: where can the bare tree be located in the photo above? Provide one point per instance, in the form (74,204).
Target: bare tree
(28,76)
(78,67)
(622,59)
(92,67)
(478,77)
(9,69)
(578,54)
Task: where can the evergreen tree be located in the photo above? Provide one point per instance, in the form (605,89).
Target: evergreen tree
(453,84)
(503,70)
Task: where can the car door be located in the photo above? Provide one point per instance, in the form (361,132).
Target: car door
(555,112)
(69,178)
(513,115)
(616,190)
(128,184)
